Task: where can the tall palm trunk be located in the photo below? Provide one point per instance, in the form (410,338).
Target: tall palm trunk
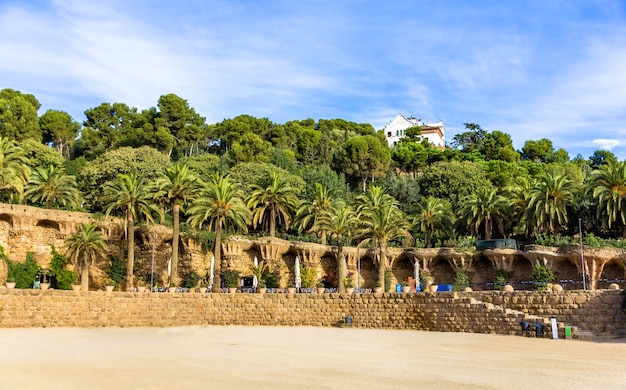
(272,222)
(84,274)
(217,252)
(176,212)
(323,237)
(382,259)
(340,265)
(130,258)
(487,228)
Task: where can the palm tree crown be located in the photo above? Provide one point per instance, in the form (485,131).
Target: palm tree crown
(178,185)
(129,194)
(15,169)
(217,204)
(273,203)
(609,188)
(87,244)
(549,199)
(52,187)
(433,214)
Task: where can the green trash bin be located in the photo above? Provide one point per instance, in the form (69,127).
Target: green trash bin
(568,332)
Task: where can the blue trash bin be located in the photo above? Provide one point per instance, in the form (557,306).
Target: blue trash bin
(398,288)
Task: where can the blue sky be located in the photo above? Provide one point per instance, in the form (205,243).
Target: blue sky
(533,69)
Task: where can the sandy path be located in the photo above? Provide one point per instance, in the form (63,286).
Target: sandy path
(300,357)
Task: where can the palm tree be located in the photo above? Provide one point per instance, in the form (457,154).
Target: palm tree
(433,215)
(87,244)
(52,187)
(383,221)
(548,201)
(177,185)
(14,164)
(518,195)
(129,194)
(312,213)
(217,204)
(609,188)
(340,221)
(487,208)
(273,203)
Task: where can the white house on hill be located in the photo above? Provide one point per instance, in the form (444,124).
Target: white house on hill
(435,133)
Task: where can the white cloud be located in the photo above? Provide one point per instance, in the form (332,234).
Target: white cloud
(608,144)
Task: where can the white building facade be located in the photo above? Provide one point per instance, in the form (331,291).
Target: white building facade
(435,133)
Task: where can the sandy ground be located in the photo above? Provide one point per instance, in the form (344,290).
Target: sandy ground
(239,357)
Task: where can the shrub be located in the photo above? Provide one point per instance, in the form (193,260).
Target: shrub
(230,278)
(501,278)
(542,275)
(64,277)
(117,272)
(25,273)
(461,280)
(191,279)
(308,276)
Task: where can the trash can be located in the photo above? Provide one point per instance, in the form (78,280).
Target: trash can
(348,320)
(538,329)
(568,332)
(398,288)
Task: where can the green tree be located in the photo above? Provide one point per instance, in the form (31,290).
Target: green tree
(178,185)
(538,151)
(471,140)
(364,158)
(251,148)
(273,203)
(485,208)
(84,248)
(128,194)
(382,221)
(15,170)
(340,221)
(186,126)
(145,162)
(105,125)
(433,215)
(549,199)
(453,180)
(18,115)
(52,187)
(59,129)
(608,186)
(601,157)
(312,212)
(218,204)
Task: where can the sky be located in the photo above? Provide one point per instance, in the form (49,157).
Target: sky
(533,69)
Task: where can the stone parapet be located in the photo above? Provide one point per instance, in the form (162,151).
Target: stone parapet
(497,313)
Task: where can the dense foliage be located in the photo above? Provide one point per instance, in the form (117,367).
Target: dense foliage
(304,179)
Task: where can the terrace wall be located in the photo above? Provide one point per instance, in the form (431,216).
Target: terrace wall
(477,312)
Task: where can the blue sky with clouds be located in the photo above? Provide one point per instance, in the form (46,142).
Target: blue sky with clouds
(534,69)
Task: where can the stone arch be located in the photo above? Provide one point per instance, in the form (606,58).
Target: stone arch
(522,273)
(482,273)
(566,271)
(48,224)
(402,268)
(613,272)
(6,225)
(7,218)
(369,272)
(330,273)
(442,271)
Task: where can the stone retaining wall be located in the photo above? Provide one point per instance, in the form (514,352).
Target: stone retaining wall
(597,311)
(498,313)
